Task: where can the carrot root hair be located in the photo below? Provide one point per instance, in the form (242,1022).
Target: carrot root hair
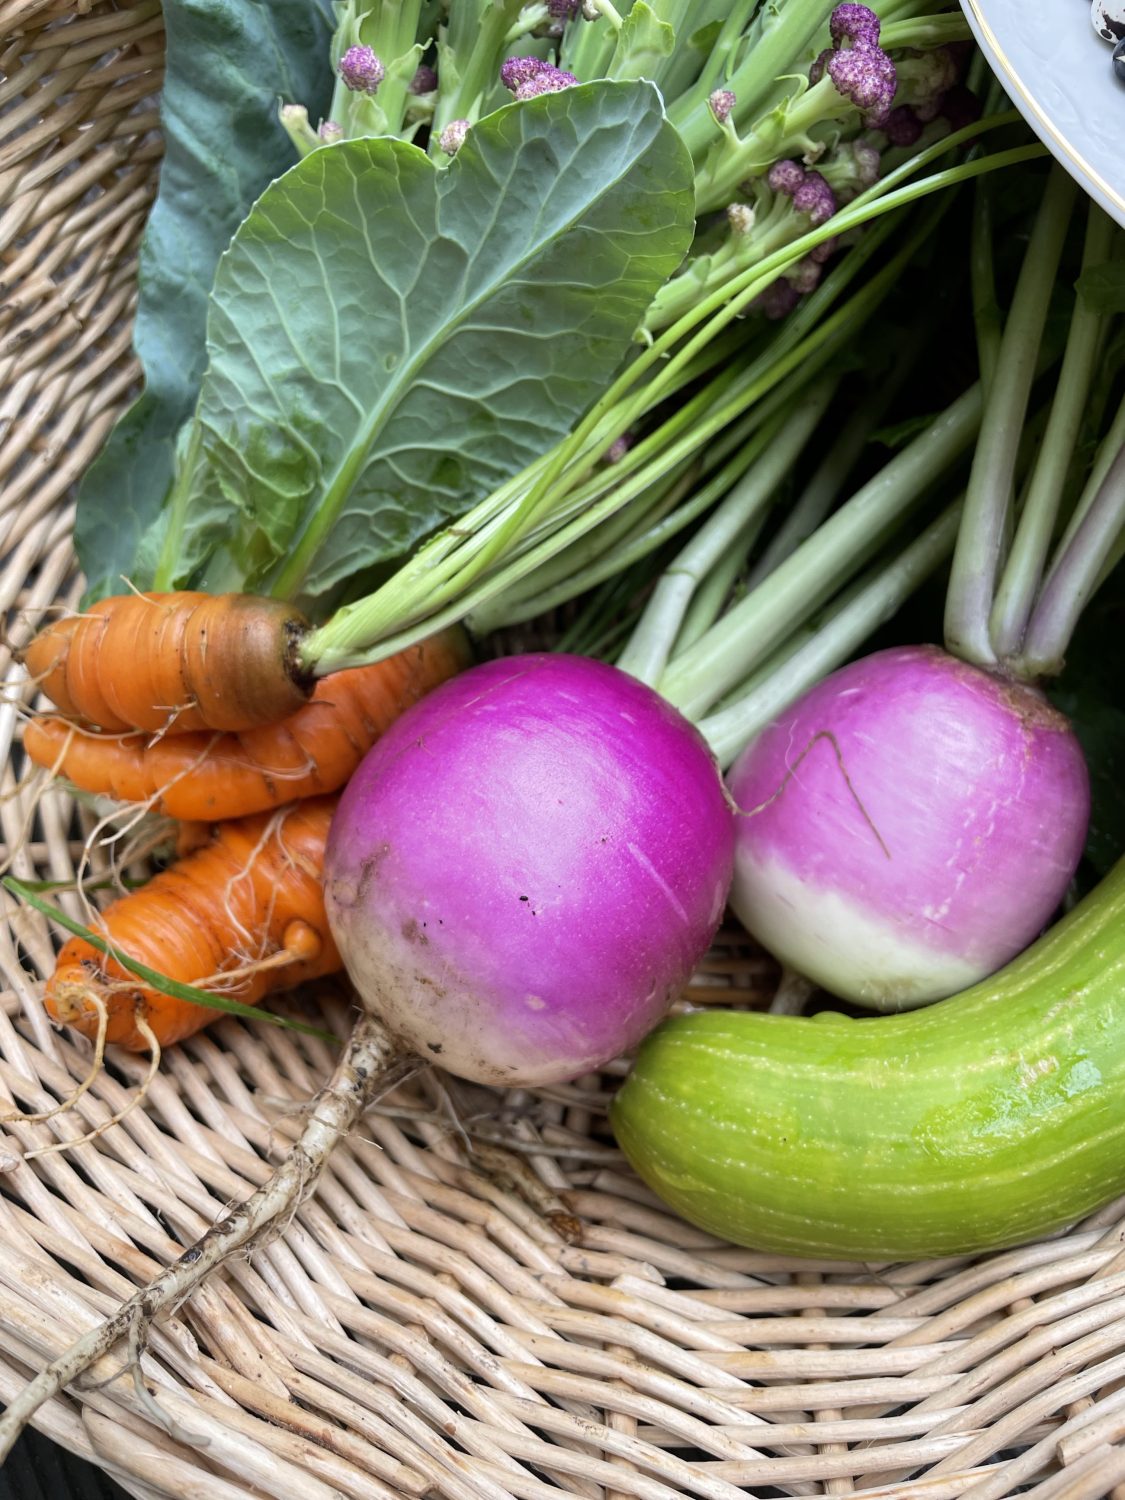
(64,1106)
(136,1099)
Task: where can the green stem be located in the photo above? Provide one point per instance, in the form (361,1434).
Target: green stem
(510,608)
(776,45)
(986,308)
(827,482)
(848,623)
(165,577)
(1107,450)
(587,48)
(479,39)
(1023,570)
(651,644)
(1076,573)
(988,501)
(664,494)
(710,598)
(923,31)
(750,631)
(611,539)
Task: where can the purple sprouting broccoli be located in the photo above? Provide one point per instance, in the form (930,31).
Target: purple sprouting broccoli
(563,10)
(902,126)
(853,26)
(809,191)
(785,177)
(805,275)
(549,81)
(330,132)
(515,71)
(424,80)
(866,76)
(527,77)
(823,252)
(722,101)
(815,198)
(361,70)
(777,300)
(619,447)
(452,138)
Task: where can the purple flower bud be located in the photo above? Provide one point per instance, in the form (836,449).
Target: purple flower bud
(777,300)
(804,276)
(816,72)
(548,81)
(825,250)
(361,70)
(329,131)
(902,126)
(515,71)
(619,447)
(867,77)
(960,106)
(424,80)
(853,26)
(815,198)
(722,101)
(453,136)
(740,217)
(786,177)
(563,10)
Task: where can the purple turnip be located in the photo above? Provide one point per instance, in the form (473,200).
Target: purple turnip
(524,871)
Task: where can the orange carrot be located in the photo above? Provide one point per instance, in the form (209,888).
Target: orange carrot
(253,893)
(176,662)
(208,776)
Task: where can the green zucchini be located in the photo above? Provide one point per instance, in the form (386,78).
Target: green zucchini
(988,1119)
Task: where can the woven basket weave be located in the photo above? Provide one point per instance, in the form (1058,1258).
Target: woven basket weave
(475,1309)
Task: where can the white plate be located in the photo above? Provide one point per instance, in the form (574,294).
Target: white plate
(1058,73)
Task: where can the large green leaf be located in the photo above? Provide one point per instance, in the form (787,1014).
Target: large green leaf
(227,62)
(390,340)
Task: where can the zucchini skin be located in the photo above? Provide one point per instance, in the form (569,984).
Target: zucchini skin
(991,1118)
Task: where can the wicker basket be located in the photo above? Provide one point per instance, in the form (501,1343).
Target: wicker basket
(447,1316)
